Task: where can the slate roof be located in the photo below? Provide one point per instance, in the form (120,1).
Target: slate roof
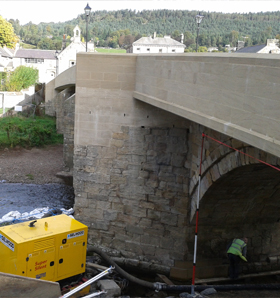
(4,53)
(35,53)
(157,41)
(253,49)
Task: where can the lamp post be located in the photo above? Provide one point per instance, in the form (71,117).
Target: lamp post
(198,19)
(87,12)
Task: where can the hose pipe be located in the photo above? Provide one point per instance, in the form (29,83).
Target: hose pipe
(182,288)
(131,278)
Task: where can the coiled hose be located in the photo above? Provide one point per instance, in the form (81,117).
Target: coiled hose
(173,288)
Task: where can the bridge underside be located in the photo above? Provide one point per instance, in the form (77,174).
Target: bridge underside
(244,202)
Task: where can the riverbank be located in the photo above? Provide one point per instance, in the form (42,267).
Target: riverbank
(31,166)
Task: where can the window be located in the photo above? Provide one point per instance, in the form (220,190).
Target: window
(148,49)
(160,50)
(71,63)
(34,60)
(173,51)
(138,49)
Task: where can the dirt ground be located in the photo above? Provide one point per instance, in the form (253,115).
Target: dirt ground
(36,165)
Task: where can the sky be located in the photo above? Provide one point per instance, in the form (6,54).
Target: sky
(38,11)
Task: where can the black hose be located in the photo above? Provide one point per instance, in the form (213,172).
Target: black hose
(221,288)
(164,287)
(120,270)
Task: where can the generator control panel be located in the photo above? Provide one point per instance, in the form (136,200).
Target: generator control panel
(52,248)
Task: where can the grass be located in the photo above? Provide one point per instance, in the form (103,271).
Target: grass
(28,132)
(112,51)
(30,176)
(1,110)
(27,46)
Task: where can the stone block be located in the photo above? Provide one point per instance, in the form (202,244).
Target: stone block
(145,222)
(132,229)
(81,202)
(117,143)
(168,219)
(100,225)
(154,215)
(110,287)
(108,152)
(109,215)
(135,211)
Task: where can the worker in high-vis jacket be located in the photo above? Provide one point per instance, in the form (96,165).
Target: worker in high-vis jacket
(236,251)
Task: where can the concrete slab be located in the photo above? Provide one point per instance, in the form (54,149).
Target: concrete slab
(22,287)
(110,287)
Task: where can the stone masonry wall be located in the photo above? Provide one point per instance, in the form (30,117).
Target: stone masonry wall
(63,107)
(68,132)
(136,193)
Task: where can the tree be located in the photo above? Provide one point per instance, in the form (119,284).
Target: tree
(188,38)
(21,78)
(45,44)
(7,36)
(233,37)
(202,49)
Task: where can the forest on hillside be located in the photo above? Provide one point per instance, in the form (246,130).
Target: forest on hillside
(121,28)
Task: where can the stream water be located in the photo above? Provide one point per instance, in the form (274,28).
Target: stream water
(27,197)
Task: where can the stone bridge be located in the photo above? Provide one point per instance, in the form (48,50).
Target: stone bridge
(133,127)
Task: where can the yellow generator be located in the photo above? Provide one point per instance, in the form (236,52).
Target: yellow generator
(52,248)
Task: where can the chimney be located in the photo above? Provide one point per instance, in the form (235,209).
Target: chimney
(182,38)
(63,42)
(240,45)
(155,35)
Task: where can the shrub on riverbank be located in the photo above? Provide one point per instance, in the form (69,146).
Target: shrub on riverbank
(28,132)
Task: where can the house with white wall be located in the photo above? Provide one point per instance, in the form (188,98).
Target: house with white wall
(271,47)
(43,60)
(157,45)
(67,56)
(6,59)
(49,62)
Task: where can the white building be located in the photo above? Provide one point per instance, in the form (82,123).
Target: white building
(6,59)
(67,57)
(271,47)
(156,45)
(43,60)
(49,62)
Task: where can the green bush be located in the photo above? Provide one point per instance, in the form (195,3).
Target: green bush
(21,78)
(28,132)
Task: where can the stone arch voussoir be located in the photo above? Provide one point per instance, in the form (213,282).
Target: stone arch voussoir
(219,162)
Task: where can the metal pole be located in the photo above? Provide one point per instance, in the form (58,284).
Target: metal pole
(196,223)
(86,33)
(95,294)
(90,281)
(197,36)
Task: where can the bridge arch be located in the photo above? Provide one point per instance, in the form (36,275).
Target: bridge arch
(239,197)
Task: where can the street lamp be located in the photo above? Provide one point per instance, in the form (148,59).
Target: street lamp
(198,19)
(87,12)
